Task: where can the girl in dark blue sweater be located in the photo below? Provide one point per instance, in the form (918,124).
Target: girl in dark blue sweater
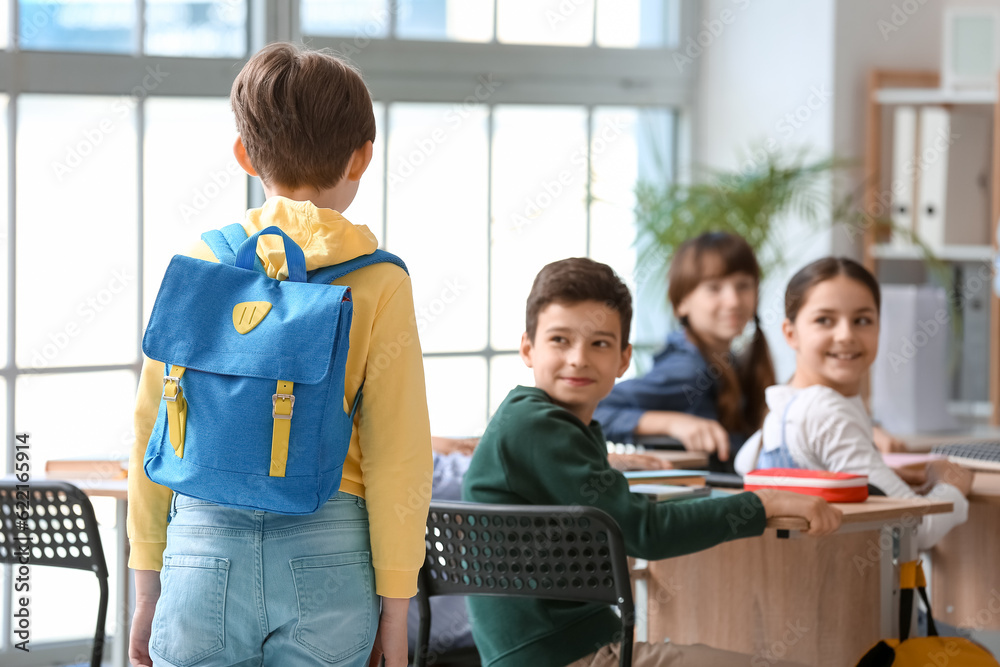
(700,391)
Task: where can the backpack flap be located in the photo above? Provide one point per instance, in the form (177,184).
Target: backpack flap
(252,414)
(196,322)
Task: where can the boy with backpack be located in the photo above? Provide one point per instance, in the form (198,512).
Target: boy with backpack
(242,584)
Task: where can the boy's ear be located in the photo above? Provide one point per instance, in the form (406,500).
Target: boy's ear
(788,330)
(240,151)
(525,349)
(626,360)
(360,160)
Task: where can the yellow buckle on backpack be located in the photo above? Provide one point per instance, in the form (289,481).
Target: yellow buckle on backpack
(172,384)
(176,408)
(274,406)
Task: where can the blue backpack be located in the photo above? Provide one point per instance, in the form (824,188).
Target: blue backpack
(253,413)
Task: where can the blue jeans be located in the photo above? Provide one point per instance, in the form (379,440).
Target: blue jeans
(245,587)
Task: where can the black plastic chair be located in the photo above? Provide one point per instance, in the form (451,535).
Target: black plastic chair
(52,523)
(556,552)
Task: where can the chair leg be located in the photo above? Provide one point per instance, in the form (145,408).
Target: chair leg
(628,637)
(102,616)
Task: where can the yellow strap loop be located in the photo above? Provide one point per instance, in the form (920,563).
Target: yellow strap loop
(176,408)
(282,403)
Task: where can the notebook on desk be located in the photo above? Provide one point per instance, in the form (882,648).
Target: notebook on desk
(658,492)
(976,455)
(678,477)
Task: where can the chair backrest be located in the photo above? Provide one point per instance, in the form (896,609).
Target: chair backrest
(54,522)
(46,522)
(556,552)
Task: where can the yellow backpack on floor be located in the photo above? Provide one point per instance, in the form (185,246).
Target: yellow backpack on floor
(932,651)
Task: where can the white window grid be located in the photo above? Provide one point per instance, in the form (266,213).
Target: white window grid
(396,70)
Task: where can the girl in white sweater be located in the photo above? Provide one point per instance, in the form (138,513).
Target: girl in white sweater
(818,420)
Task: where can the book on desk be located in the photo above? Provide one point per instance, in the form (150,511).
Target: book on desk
(657,492)
(672,477)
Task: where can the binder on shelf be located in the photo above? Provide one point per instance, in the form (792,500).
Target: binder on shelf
(904,159)
(932,174)
(953,167)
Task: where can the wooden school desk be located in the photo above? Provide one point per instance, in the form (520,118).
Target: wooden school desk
(965,564)
(965,571)
(818,601)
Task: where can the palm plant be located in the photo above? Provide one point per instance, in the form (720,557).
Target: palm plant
(748,203)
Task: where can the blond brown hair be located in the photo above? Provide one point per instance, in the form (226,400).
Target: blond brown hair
(740,403)
(301,115)
(571,281)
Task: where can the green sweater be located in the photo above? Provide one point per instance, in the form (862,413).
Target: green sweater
(536,453)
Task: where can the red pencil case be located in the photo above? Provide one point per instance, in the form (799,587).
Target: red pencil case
(835,487)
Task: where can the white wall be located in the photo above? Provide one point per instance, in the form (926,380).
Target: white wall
(767,61)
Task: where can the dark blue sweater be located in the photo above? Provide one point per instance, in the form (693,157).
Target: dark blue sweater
(680,381)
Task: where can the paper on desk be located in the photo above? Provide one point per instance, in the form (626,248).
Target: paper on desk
(899,460)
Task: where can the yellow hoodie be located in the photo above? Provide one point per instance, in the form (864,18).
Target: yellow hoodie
(389,461)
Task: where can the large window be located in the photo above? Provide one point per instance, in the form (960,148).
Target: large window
(605,23)
(510,133)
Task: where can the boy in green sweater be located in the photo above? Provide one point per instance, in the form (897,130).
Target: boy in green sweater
(543,448)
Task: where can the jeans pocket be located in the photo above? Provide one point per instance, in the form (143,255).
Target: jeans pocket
(338,609)
(189,623)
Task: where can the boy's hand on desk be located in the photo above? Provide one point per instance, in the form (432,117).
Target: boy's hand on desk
(950,473)
(823,517)
(638,462)
(887,443)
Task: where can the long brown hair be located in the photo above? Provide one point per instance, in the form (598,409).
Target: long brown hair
(820,271)
(740,402)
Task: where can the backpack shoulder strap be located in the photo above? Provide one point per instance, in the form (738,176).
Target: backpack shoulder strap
(226,241)
(784,442)
(328,274)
